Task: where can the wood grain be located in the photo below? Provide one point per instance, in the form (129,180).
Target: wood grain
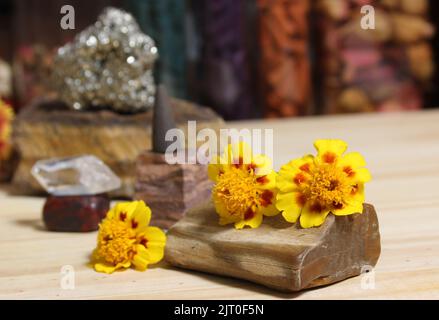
(188,184)
(402,151)
(278,254)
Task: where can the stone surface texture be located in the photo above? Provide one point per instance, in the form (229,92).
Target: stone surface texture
(75,213)
(278,254)
(48,129)
(170,189)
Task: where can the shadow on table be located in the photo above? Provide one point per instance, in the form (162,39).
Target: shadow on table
(236,283)
(36,224)
(16,190)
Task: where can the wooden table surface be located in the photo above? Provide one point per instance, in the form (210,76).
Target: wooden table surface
(402,151)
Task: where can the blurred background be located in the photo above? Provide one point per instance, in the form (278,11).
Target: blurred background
(249,58)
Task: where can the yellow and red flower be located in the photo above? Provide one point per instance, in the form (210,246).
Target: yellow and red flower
(6,117)
(245,186)
(312,187)
(125,239)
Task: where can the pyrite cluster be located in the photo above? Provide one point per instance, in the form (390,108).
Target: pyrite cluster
(108,65)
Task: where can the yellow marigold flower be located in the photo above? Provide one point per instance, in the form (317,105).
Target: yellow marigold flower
(125,238)
(6,117)
(312,187)
(245,186)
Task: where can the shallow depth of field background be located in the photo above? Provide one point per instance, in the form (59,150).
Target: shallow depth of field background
(250,58)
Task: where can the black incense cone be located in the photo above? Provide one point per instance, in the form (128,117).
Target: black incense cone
(186,184)
(163,120)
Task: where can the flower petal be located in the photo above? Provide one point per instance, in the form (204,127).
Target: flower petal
(285,182)
(357,195)
(152,250)
(111,214)
(299,163)
(108,268)
(141,216)
(155,246)
(289,205)
(253,222)
(353,203)
(267,182)
(362,175)
(264,165)
(155,236)
(266,198)
(270,210)
(140,260)
(214,168)
(310,218)
(153,253)
(353,159)
(287,173)
(329,150)
(123,211)
(351,208)
(238,154)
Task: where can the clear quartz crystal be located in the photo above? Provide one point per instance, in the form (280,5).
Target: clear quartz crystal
(82,175)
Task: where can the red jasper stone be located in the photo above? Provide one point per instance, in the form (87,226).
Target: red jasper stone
(75,213)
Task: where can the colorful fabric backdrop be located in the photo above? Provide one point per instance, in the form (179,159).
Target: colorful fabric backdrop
(251,58)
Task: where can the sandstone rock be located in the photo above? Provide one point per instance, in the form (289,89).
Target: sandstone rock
(278,254)
(170,190)
(49,129)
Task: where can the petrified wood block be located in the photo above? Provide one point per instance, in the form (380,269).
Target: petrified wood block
(49,129)
(170,189)
(278,254)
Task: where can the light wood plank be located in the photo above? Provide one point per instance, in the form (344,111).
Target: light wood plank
(402,151)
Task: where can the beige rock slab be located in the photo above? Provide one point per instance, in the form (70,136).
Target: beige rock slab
(278,254)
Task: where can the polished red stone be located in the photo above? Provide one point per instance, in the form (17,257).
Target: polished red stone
(75,213)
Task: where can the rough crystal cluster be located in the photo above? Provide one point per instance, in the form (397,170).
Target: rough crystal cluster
(76,176)
(108,65)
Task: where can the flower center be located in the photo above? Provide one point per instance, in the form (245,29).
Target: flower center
(237,191)
(328,185)
(115,241)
